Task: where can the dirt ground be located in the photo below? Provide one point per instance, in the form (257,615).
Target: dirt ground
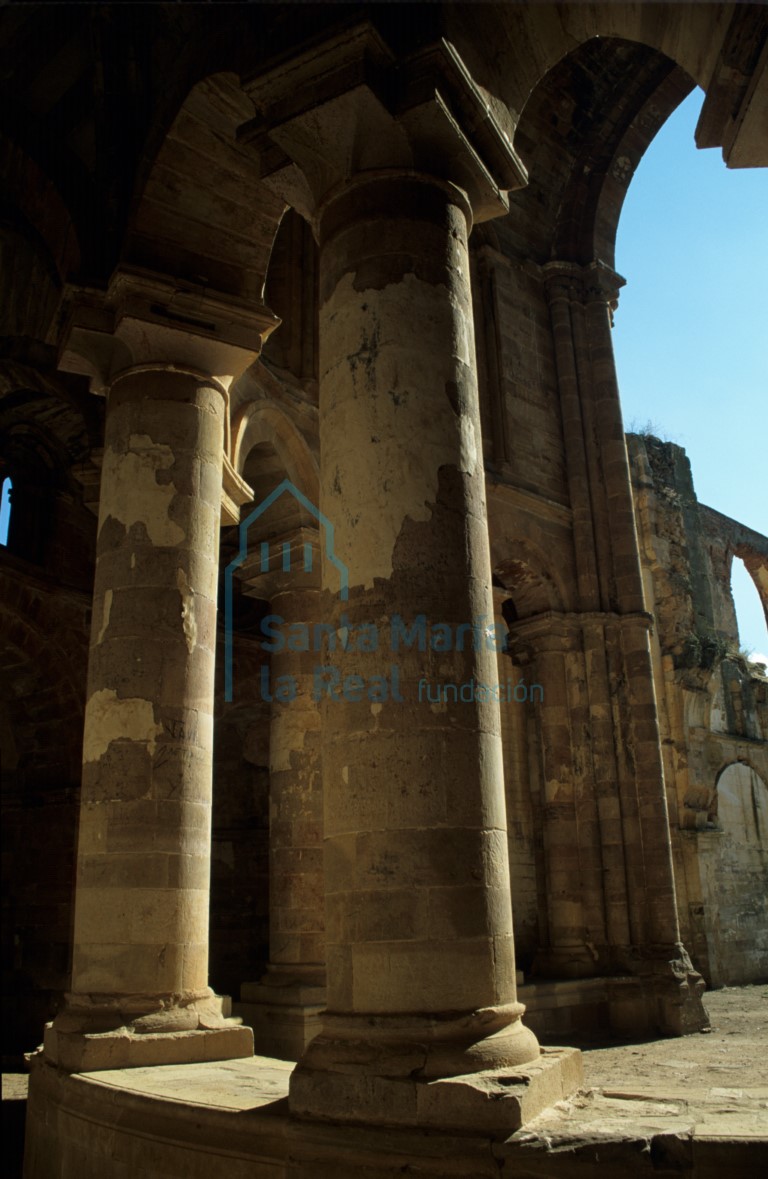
(733,1055)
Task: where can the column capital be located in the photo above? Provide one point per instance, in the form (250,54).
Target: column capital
(549,633)
(145,319)
(561,631)
(593,283)
(353,105)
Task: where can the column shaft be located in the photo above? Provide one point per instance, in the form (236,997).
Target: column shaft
(296,938)
(417,881)
(141,912)
(140,957)
(284,1007)
(659,905)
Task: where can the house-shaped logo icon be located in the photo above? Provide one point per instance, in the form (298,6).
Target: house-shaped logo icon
(327,537)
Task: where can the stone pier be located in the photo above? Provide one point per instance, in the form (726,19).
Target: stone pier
(284,1007)
(139,992)
(641,919)
(422,1026)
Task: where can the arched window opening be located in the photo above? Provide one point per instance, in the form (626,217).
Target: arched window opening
(5,509)
(750,618)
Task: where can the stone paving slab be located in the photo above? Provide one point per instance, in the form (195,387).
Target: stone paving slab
(229,1084)
(618,1114)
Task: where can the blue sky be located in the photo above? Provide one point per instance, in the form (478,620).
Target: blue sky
(691,331)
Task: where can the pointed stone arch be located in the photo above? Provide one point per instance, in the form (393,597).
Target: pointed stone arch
(533,586)
(264,424)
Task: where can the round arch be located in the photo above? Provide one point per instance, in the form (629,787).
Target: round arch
(264,424)
(697,37)
(533,586)
(582,133)
(739,804)
(199,210)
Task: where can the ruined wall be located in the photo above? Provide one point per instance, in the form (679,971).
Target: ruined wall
(45,603)
(713,713)
(733,870)
(42,689)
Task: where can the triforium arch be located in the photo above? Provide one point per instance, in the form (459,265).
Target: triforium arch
(446,372)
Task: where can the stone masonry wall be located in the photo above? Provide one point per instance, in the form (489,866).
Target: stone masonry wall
(713,709)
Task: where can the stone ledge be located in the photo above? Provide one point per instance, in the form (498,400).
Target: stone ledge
(230,1120)
(282,996)
(82,1052)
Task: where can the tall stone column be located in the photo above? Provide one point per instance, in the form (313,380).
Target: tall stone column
(284,1007)
(139,992)
(421,974)
(660,907)
(639,894)
(417,888)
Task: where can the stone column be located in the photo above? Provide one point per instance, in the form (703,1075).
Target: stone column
(660,905)
(420,958)
(139,992)
(418,893)
(639,894)
(421,973)
(284,1007)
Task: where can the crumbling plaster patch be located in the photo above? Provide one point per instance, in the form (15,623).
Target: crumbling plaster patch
(389,409)
(108,719)
(289,737)
(132,494)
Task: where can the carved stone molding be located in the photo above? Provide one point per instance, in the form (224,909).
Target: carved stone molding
(351,106)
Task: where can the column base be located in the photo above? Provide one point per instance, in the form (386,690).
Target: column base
(424,1046)
(130,1031)
(284,1017)
(494,1101)
(668,995)
(83,1052)
(482,1069)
